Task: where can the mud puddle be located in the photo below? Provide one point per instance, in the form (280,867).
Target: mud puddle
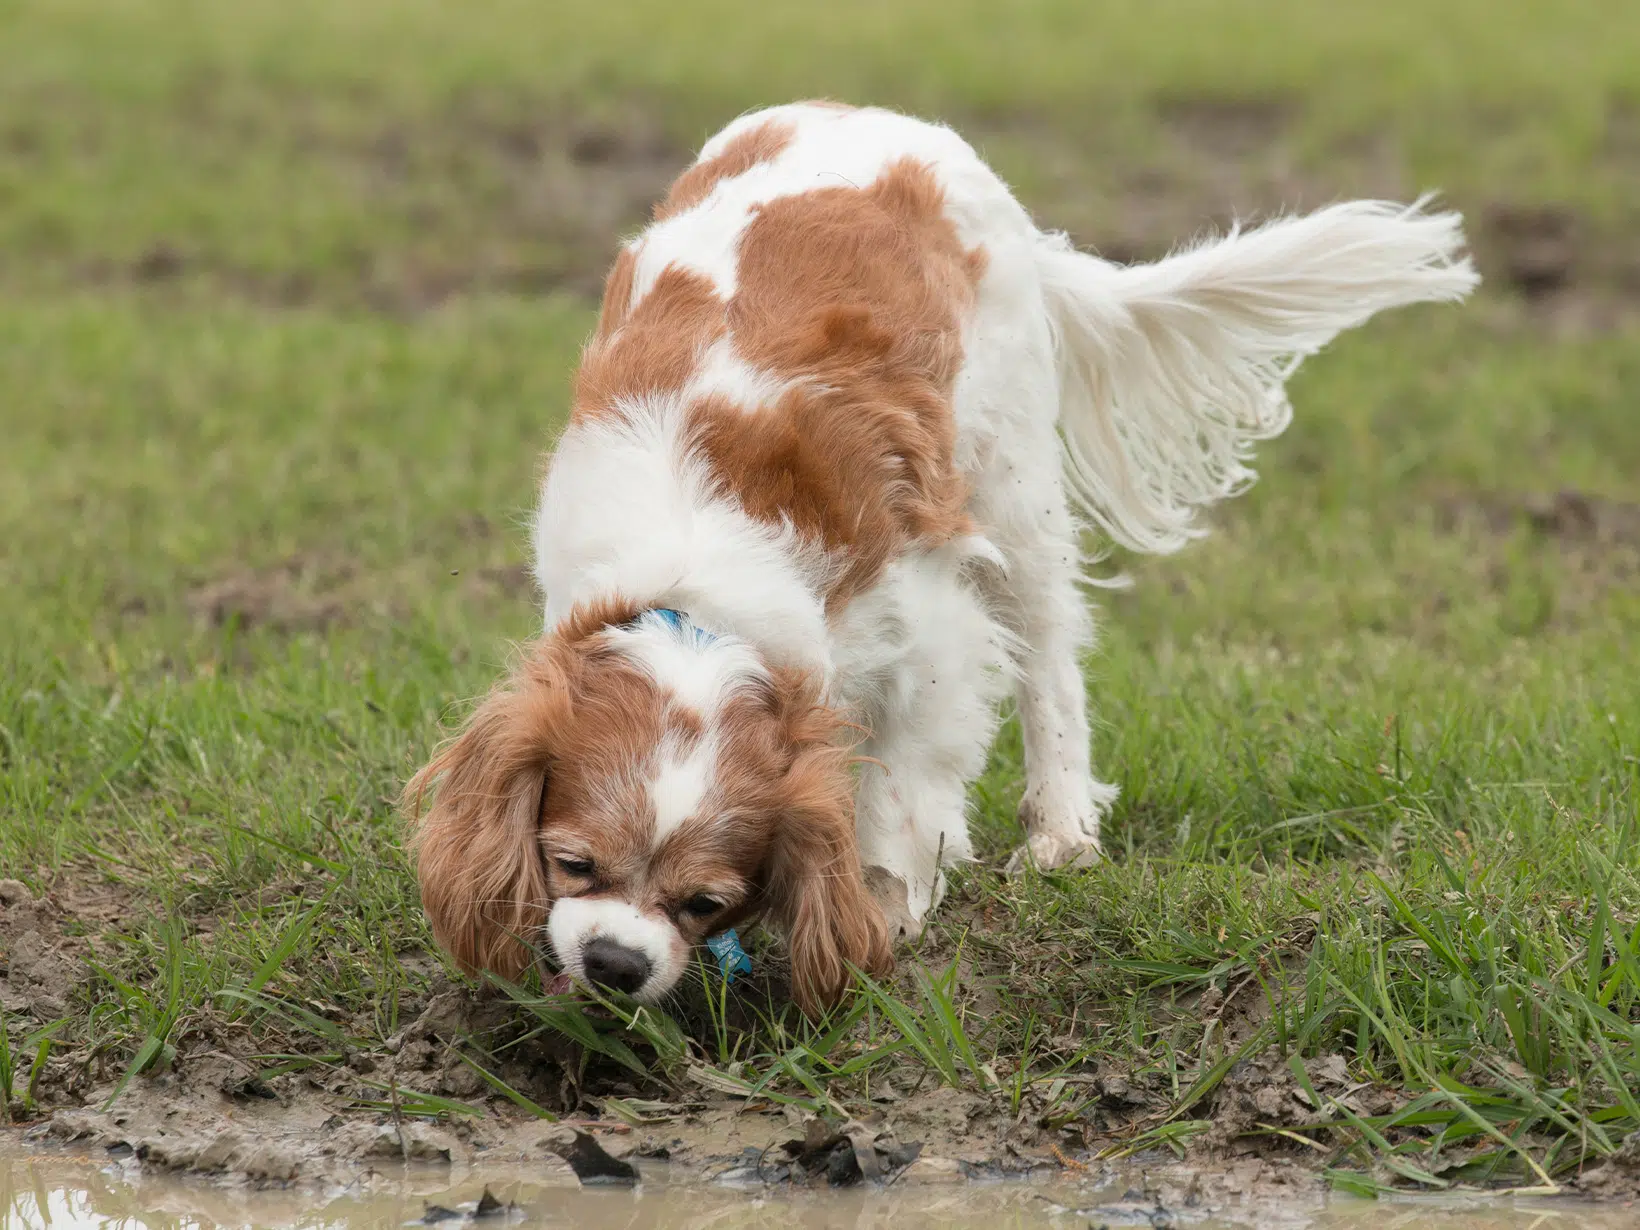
(53,1187)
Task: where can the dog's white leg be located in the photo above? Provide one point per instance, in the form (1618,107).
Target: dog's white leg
(1165,374)
(929,664)
(913,824)
(1008,402)
(1063,803)
(1023,500)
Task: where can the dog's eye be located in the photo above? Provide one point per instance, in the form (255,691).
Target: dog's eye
(702,906)
(575,866)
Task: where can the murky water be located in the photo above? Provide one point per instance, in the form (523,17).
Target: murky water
(68,1189)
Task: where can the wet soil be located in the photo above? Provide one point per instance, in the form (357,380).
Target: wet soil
(45,940)
(214,1107)
(90,1187)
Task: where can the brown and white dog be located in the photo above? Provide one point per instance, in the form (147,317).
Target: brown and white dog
(817,509)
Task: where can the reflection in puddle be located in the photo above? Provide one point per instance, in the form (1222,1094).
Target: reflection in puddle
(66,1190)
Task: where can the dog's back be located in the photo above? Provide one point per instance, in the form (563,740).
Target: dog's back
(773,375)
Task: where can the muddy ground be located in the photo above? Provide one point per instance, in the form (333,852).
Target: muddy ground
(214,1108)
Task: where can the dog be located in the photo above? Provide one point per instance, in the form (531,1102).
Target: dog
(833,446)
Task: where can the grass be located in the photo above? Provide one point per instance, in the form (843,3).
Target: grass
(289,298)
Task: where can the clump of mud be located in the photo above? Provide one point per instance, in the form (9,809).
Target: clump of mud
(1618,1177)
(38,971)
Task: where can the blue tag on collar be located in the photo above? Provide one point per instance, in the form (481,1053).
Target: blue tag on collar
(731,957)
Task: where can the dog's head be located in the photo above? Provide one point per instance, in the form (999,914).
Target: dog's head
(633,787)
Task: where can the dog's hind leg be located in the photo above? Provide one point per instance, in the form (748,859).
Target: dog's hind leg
(1028,516)
(1021,504)
(1008,409)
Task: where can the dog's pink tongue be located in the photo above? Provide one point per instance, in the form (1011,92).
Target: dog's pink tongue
(558,984)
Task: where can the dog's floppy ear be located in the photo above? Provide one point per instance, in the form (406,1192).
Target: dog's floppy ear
(477,851)
(815,889)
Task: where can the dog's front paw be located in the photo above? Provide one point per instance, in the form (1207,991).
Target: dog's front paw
(1050,851)
(893,897)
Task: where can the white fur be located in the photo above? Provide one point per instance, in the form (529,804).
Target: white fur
(1130,396)
(701,672)
(723,373)
(626,508)
(575,921)
(682,783)
(1171,371)
(927,661)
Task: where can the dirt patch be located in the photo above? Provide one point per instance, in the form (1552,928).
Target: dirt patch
(1533,249)
(42,948)
(1228,127)
(303,592)
(1257,1096)
(508,580)
(1568,519)
(215,1108)
(1562,554)
(187,1126)
(1577,517)
(37,968)
(212,1115)
(323,587)
(1618,1177)
(1573,277)
(316,593)
(45,940)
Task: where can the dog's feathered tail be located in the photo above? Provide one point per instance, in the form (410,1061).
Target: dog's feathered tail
(1170,371)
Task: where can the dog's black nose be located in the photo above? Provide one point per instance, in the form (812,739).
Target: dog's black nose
(614,965)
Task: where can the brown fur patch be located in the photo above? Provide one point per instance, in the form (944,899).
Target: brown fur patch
(743,152)
(861,292)
(813,885)
(617,293)
(855,291)
(656,349)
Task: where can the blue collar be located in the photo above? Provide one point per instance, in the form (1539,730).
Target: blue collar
(679,622)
